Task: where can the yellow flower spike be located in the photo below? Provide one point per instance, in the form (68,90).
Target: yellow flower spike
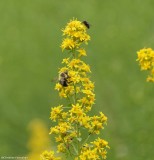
(39,139)
(71,120)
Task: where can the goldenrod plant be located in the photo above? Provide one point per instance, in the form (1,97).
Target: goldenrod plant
(146,62)
(72,125)
(39,139)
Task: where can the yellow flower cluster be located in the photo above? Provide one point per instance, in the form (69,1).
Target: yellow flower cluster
(146,61)
(76,35)
(72,121)
(94,150)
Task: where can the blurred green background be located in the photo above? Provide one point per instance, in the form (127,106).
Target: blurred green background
(30,36)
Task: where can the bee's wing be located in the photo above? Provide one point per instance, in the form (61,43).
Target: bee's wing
(54,79)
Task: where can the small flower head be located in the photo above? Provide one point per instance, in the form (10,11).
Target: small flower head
(69,44)
(82,52)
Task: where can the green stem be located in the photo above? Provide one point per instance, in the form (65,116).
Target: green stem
(75,99)
(75,149)
(68,98)
(67,148)
(86,139)
(73,53)
(78,131)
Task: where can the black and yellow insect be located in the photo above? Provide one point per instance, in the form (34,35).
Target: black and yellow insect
(63,79)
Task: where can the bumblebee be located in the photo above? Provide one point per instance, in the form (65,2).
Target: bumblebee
(63,78)
(86,24)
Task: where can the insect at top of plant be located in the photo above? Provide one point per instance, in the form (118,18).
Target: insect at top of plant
(86,24)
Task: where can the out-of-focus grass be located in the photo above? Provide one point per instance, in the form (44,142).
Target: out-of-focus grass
(30,36)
